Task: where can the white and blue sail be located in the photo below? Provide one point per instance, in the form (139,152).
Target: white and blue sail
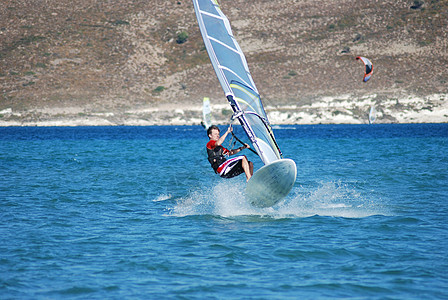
(372,115)
(274,180)
(233,73)
(206,113)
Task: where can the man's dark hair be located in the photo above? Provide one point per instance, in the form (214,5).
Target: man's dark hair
(209,130)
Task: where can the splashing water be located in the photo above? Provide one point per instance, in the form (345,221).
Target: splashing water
(333,199)
(227,199)
(162,197)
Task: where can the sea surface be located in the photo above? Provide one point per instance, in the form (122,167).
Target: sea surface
(137,213)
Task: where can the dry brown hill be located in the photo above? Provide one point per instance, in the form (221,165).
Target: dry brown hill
(120,55)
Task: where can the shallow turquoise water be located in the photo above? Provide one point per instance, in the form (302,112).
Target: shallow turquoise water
(136,212)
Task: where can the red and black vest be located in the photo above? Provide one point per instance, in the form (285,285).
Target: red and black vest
(216,154)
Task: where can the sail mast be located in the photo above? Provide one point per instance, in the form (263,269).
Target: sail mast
(231,68)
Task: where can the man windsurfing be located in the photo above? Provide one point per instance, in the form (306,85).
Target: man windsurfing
(226,168)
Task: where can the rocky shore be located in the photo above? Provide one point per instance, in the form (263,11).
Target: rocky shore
(144,62)
(327,110)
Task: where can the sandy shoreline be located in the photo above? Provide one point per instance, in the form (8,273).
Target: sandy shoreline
(327,110)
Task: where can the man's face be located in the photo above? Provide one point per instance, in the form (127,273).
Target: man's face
(214,135)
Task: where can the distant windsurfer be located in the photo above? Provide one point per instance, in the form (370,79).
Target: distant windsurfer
(226,168)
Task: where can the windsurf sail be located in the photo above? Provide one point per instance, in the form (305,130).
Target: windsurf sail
(372,115)
(233,74)
(206,113)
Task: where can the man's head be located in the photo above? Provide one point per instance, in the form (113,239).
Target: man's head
(213,132)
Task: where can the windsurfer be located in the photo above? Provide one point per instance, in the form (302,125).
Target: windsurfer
(226,168)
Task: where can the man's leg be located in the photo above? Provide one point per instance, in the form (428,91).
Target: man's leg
(248,170)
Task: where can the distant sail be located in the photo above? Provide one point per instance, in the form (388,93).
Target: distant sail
(372,115)
(233,73)
(206,113)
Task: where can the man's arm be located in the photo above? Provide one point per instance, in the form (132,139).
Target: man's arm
(223,137)
(235,151)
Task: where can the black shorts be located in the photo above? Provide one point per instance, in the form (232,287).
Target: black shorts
(231,168)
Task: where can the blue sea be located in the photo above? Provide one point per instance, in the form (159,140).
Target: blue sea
(137,213)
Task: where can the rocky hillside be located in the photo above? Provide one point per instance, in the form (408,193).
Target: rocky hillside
(123,60)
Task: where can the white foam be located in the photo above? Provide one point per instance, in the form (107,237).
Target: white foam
(226,199)
(333,199)
(162,197)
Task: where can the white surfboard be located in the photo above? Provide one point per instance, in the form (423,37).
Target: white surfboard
(271,183)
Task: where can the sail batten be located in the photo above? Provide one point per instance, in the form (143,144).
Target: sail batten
(229,70)
(223,44)
(232,70)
